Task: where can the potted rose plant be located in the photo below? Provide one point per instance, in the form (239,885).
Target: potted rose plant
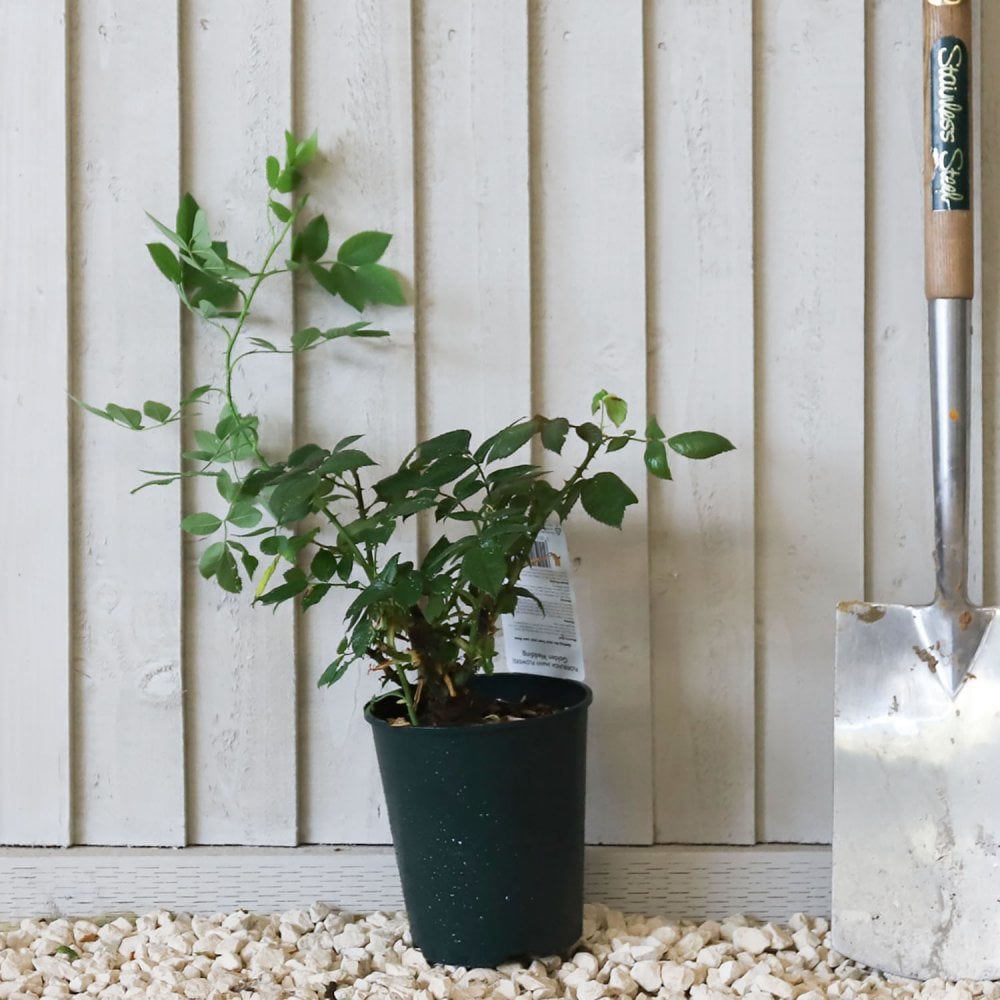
(483,772)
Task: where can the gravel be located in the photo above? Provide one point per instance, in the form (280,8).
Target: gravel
(320,953)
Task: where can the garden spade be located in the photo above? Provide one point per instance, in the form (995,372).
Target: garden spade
(916,835)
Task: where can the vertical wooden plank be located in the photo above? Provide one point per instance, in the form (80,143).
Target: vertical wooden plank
(34,597)
(700,188)
(474,295)
(810,252)
(353,79)
(590,323)
(241,690)
(125,324)
(899,527)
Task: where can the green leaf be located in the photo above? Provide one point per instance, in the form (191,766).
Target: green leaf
(195,394)
(653,429)
(335,671)
(292,498)
(273,545)
(177,240)
(363,248)
(207,441)
(211,558)
(655,458)
(444,470)
(617,443)
(700,444)
(266,577)
(314,594)
(186,212)
(65,949)
(506,442)
(324,278)
(397,485)
(346,442)
(312,241)
(201,524)
(103,414)
(273,172)
(124,415)
(346,568)
(295,583)
(281,212)
(345,460)
(201,238)
(159,412)
(287,181)
(590,433)
(228,490)
(380,285)
(324,565)
(310,455)
(306,150)
(449,443)
(616,408)
(599,397)
(354,330)
(485,568)
(605,498)
(249,561)
(264,345)
(228,575)
(303,339)
(466,487)
(348,286)
(412,505)
(244,515)
(554,434)
(166,261)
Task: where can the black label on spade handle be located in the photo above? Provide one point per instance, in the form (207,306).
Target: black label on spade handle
(950,73)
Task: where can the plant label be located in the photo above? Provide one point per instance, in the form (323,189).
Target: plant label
(542,637)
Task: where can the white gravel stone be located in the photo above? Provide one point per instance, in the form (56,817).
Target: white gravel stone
(647,975)
(316,952)
(593,989)
(753,940)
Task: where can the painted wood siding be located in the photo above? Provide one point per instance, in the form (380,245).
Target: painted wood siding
(711,207)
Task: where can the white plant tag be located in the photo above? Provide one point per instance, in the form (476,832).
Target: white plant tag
(547,644)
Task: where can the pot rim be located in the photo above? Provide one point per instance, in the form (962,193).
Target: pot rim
(584,690)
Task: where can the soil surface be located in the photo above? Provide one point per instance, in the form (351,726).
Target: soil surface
(468,708)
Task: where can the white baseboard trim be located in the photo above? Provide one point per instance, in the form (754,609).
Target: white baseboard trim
(769,881)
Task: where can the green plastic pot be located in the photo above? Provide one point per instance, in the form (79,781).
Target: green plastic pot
(487,824)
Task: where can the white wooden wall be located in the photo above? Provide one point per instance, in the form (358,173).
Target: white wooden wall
(709,206)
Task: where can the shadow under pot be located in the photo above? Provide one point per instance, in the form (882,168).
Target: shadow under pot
(487,823)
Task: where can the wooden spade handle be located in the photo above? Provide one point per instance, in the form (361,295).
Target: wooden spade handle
(948,233)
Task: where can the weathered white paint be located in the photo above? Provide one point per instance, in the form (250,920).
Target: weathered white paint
(474,259)
(590,327)
(571,190)
(357,59)
(240,662)
(128,750)
(34,449)
(809,259)
(769,882)
(900,529)
(988,241)
(701,374)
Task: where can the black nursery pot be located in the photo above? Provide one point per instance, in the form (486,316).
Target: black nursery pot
(487,824)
